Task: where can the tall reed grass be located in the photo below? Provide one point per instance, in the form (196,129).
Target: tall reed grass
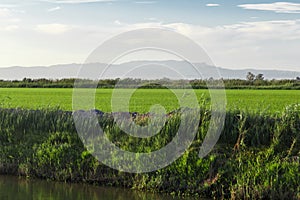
(257,155)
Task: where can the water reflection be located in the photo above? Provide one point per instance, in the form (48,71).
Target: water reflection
(20,188)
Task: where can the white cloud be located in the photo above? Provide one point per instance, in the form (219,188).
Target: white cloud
(259,44)
(212,5)
(11,28)
(145,2)
(278,7)
(54,9)
(5,12)
(7,16)
(76,1)
(117,22)
(53,29)
(7,6)
(151,19)
(242,33)
(266,30)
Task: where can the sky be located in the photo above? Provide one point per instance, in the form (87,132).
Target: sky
(236,34)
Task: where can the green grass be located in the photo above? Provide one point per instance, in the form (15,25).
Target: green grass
(141,101)
(256,157)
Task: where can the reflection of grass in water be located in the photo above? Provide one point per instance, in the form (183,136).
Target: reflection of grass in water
(25,189)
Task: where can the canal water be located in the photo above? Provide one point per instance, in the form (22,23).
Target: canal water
(15,188)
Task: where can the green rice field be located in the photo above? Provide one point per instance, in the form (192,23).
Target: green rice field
(250,100)
(256,157)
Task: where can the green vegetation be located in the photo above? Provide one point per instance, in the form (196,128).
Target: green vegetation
(37,98)
(257,156)
(252,82)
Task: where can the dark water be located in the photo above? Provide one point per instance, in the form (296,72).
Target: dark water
(15,188)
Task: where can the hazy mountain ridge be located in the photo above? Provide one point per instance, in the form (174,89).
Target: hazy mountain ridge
(118,70)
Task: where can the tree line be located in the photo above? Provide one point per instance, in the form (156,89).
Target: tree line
(251,81)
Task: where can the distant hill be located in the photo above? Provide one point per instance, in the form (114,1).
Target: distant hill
(147,72)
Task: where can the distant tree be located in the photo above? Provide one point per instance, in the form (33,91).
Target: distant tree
(250,76)
(259,77)
(27,80)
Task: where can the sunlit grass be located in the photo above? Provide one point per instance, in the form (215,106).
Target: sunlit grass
(142,99)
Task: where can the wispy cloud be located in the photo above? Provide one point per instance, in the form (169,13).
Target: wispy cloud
(246,44)
(267,44)
(5,12)
(117,22)
(8,20)
(77,1)
(7,6)
(54,29)
(151,19)
(54,9)
(244,31)
(11,28)
(278,7)
(145,2)
(212,5)
(8,16)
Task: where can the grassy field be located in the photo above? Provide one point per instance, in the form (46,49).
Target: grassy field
(141,101)
(256,157)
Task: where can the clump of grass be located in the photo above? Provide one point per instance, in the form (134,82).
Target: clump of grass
(257,156)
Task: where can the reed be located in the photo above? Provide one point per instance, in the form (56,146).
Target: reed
(257,155)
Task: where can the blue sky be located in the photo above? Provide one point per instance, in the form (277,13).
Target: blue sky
(235,34)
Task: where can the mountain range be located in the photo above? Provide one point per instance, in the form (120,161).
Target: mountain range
(139,69)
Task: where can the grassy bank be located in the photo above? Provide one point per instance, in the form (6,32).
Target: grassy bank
(257,155)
